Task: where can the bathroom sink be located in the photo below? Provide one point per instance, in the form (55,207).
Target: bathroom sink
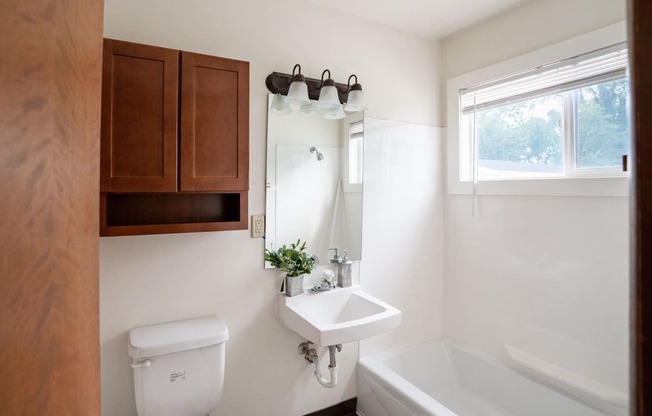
(337,316)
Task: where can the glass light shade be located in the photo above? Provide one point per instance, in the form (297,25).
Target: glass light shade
(356,101)
(335,113)
(280,106)
(328,97)
(308,108)
(298,93)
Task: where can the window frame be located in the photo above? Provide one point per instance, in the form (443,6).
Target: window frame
(574,181)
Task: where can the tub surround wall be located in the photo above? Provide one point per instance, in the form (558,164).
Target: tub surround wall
(149,279)
(403,228)
(546,275)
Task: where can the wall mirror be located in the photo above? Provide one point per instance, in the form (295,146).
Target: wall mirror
(314,181)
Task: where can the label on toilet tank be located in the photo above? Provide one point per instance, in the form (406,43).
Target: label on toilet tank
(177,377)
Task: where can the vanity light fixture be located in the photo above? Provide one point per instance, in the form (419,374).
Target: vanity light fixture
(328,97)
(280,106)
(356,101)
(298,92)
(322,94)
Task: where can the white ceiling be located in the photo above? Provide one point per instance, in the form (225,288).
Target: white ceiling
(431,18)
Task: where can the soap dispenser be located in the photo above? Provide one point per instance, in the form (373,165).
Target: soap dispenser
(336,259)
(344,272)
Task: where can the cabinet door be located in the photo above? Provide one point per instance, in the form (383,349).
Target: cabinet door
(139,118)
(214,124)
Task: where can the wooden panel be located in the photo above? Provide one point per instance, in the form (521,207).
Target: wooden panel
(50,78)
(150,213)
(214,123)
(640,35)
(139,118)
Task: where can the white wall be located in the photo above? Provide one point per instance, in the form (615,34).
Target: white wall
(149,279)
(531,26)
(547,275)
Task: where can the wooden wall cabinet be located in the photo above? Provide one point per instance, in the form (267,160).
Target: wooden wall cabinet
(175,141)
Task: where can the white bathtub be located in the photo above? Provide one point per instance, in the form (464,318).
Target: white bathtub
(441,379)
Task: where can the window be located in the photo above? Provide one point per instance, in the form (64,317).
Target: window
(356,136)
(566,119)
(601,124)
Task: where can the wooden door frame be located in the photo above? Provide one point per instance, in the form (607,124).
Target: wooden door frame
(50,88)
(640,38)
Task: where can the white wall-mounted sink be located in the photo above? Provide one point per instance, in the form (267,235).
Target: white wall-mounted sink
(337,316)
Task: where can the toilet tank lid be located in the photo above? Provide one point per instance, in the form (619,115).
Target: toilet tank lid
(152,340)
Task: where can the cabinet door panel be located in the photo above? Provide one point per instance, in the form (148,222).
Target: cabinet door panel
(139,118)
(214,123)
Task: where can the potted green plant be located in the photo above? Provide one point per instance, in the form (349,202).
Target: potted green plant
(295,262)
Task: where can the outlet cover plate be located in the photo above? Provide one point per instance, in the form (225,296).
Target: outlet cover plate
(257,226)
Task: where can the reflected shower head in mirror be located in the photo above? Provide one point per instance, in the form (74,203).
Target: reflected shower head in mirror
(319,155)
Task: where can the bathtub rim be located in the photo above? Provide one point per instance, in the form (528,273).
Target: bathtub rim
(381,371)
(412,397)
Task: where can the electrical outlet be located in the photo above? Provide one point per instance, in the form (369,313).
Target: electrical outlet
(257,226)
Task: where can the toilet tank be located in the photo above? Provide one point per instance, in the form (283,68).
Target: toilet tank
(178,366)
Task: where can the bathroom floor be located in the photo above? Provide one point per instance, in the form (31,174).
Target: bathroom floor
(346,408)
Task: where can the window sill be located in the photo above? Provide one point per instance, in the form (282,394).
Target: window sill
(582,187)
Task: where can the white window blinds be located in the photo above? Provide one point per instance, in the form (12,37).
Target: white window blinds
(356,130)
(587,69)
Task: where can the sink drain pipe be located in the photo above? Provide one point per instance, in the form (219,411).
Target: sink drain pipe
(310,354)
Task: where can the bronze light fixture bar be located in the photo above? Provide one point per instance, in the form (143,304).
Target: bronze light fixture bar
(279,83)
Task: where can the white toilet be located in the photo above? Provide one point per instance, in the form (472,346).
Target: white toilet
(178,366)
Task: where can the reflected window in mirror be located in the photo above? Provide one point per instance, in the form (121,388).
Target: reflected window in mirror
(355,156)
